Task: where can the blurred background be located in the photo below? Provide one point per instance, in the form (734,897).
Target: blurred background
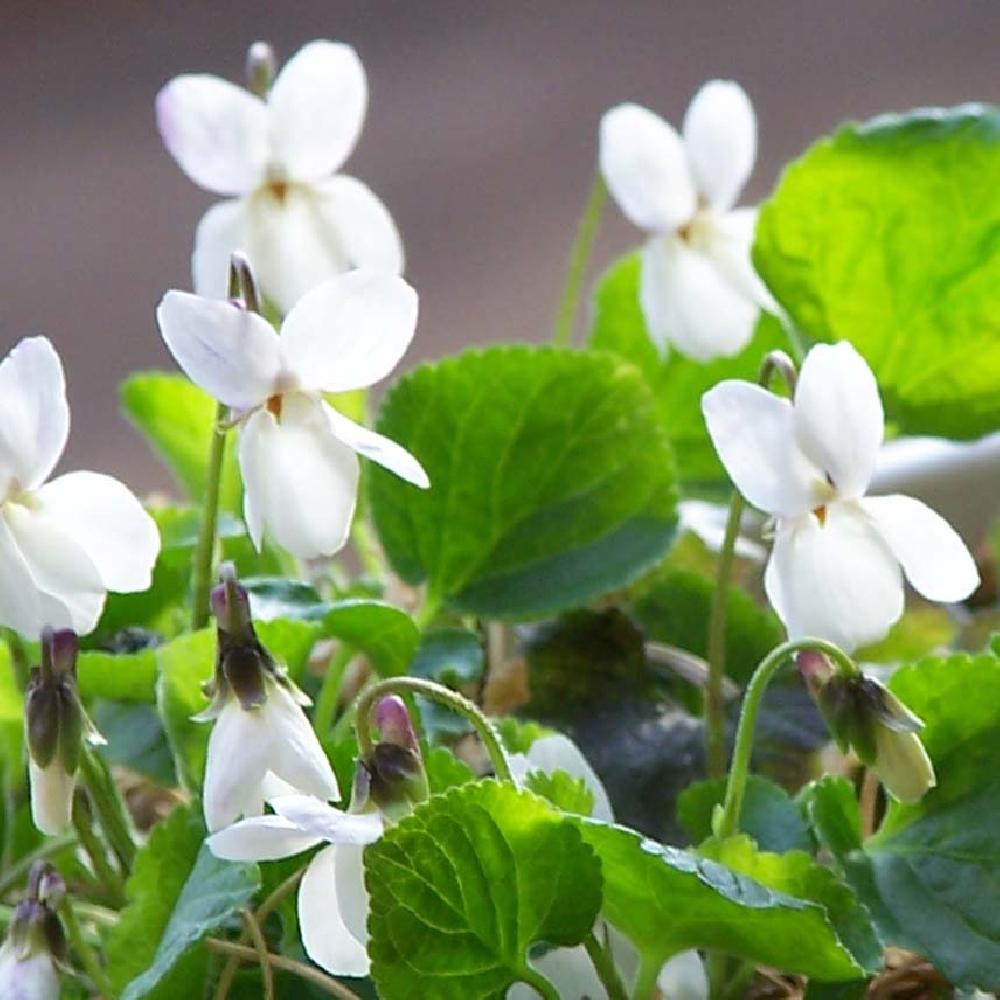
(481,139)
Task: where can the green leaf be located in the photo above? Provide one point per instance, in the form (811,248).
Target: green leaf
(161,869)
(213,892)
(931,874)
(136,739)
(453,657)
(564,792)
(551,482)
(886,234)
(667,900)
(11,712)
(769,815)
(444,770)
(519,734)
(677,382)
(465,885)
(833,810)
(184,665)
(117,676)
(177,419)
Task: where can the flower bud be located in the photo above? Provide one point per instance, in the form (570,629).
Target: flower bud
(260,68)
(396,777)
(55,725)
(36,938)
(882,731)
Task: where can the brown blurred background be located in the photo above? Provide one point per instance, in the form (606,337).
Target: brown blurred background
(480,138)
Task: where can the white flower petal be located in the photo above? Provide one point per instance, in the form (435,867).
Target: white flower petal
(838,416)
(292,243)
(688,301)
(933,555)
(379,449)
(365,229)
(645,165)
(708,521)
(569,970)
(559,753)
(297,756)
(61,569)
(318,819)
(33,978)
(239,749)
(683,977)
(233,354)
(903,764)
(220,233)
(301,482)
(316,109)
(837,581)
(106,520)
(34,415)
(260,838)
(720,135)
(728,240)
(216,131)
(51,796)
(326,937)
(350,331)
(752,431)
(22,607)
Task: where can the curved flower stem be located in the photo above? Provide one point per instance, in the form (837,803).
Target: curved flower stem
(109,808)
(329,692)
(604,966)
(444,696)
(110,880)
(242,953)
(84,952)
(715,702)
(729,818)
(539,984)
(260,946)
(579,255)
(204,553)
(262,913)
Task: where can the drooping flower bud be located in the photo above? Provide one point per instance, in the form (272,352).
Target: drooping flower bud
(36,940)
(260,728)
(882,731)
(55,726)
(260,68)
(396,777)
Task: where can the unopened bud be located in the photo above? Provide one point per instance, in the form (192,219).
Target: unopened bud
(53,717)
(815,669)
(35,928)
(242,284)
(866,717)
(260,68)
(397,779)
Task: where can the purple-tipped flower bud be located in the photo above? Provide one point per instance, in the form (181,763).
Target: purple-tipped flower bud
(35,929)
(815,669)
(396,772)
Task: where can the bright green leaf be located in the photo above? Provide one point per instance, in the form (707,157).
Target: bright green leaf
(385,634)
(117,676)
(564,792)
(551,482)
(11,712)
(213,891)
(465,885)
(177,419)
(444,769)
(886,235)
(667,900)
(677,382)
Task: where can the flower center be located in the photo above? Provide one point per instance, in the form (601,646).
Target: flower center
(820,514)
(273,405)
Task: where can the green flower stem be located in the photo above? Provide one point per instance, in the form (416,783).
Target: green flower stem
(604,966)
(242,953)
(579,255)
(111,881)
(260,946)
(645,981)
(444,696)
(715,702)
(204,553)
(329,692)
(109,807)
(367,547)
(539,984)
(84,952)
(729,819)
(427,611)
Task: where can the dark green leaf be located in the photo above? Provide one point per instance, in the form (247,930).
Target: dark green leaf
(678,383)
(769,815)
(886,235)
(465,885)
(177,419)
(551,480)
(213,891)
(136,739)
(453,657)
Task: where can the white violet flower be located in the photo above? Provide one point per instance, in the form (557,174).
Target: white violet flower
(64,543)
(277,158)
(297,453)
(698,289)
(836,569)
(332,900)
(570,970)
